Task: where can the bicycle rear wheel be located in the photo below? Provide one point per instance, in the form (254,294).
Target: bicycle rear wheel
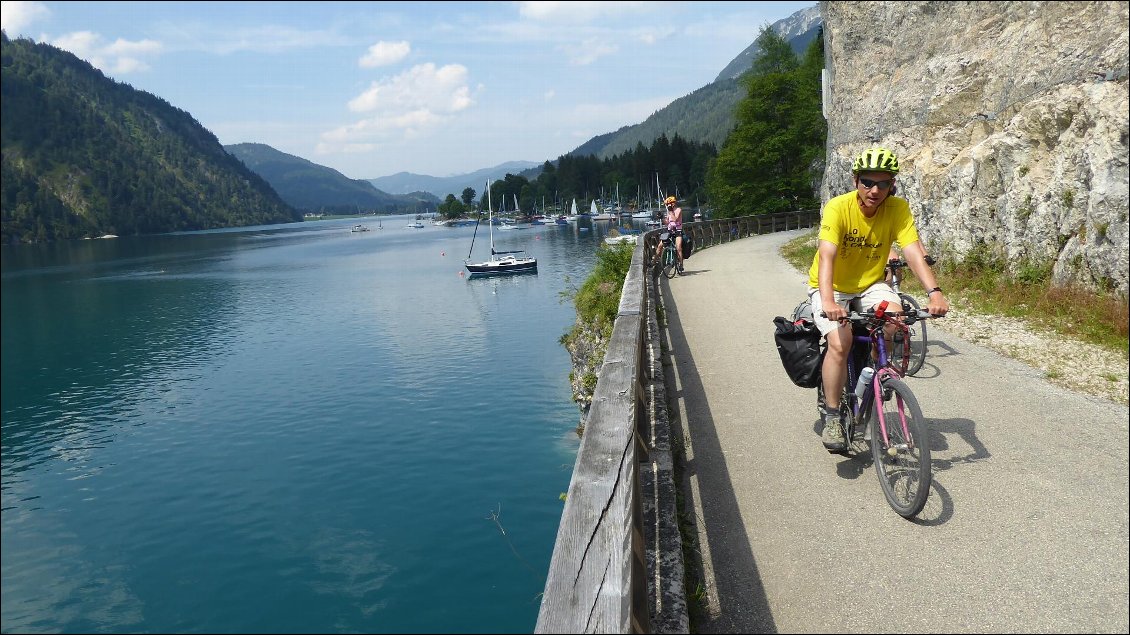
(902,457)
(917,334)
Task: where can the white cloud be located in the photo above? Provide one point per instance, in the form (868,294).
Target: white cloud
(16,16)
(405,106)
(422,87)
(384,54)
(120,56)
(590,50)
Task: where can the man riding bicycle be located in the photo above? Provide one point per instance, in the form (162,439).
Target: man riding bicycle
(674,225)
(857,230)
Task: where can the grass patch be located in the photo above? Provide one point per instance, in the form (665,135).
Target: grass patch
(985,283)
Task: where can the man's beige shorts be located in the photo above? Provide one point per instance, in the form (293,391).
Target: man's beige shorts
(870,297)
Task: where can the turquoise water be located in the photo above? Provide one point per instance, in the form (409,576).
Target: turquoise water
(284,429)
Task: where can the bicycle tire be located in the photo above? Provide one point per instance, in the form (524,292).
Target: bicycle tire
(902,459)
(670,263)
(917,334)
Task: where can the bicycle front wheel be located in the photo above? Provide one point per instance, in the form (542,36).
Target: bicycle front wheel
(917,334)
(902,455)
(669,262)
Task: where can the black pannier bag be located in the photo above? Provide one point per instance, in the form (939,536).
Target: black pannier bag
(688,246)
(798,343)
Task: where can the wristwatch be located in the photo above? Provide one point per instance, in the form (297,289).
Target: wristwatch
(931,291)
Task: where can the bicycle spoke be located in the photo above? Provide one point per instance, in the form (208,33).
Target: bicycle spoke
(901,449)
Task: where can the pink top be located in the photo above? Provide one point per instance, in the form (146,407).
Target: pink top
(675,219)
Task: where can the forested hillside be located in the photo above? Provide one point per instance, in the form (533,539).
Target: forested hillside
(84,155)
(312,187)
(704,116)
(678,165)
(441,186)
(707,115)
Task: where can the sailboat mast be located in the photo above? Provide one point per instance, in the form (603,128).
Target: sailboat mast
(490,220)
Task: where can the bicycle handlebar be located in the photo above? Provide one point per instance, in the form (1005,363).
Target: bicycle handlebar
(869,316)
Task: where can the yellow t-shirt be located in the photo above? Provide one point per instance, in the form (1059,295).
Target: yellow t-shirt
(863,243)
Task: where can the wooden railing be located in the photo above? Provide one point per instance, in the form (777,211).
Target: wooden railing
(716,232)
(617,565)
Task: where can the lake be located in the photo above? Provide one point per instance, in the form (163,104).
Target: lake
(290,428)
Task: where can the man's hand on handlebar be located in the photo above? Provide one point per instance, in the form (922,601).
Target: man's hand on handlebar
(834,312)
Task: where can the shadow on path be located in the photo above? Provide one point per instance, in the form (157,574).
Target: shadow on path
(736,605)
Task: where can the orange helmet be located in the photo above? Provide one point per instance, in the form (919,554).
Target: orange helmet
(669,200)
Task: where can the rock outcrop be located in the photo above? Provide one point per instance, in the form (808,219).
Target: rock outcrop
(1010,120)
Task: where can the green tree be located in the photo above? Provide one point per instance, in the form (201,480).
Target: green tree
(766,165)
(452,207)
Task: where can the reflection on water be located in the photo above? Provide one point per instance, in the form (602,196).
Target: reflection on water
(292,428)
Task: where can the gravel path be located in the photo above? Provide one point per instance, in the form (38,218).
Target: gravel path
(1069,363)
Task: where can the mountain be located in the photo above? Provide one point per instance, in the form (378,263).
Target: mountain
(312,187)
(405,182)
(799,29)
(704,116)
(84,155)
(707,114)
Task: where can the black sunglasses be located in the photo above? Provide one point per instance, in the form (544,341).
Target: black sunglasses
(883,185)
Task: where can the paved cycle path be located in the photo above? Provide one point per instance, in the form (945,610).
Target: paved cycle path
(1026,527)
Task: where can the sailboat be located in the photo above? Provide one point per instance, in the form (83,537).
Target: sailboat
(588,214)
(500,262)
(573,214)
(507,223)
(598,215)
(641,213)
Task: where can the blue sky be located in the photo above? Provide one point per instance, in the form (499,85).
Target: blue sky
(375,88)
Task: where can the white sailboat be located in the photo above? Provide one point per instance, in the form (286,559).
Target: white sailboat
(507,223)
(598,215)
(573,214)
(641,212)
(500,262)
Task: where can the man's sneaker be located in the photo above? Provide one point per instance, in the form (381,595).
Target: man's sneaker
(833,436)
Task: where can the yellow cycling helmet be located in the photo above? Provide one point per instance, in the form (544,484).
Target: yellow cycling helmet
(669,200)
(876,160)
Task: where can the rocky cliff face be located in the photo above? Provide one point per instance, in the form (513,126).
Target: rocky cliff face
(1010,120)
